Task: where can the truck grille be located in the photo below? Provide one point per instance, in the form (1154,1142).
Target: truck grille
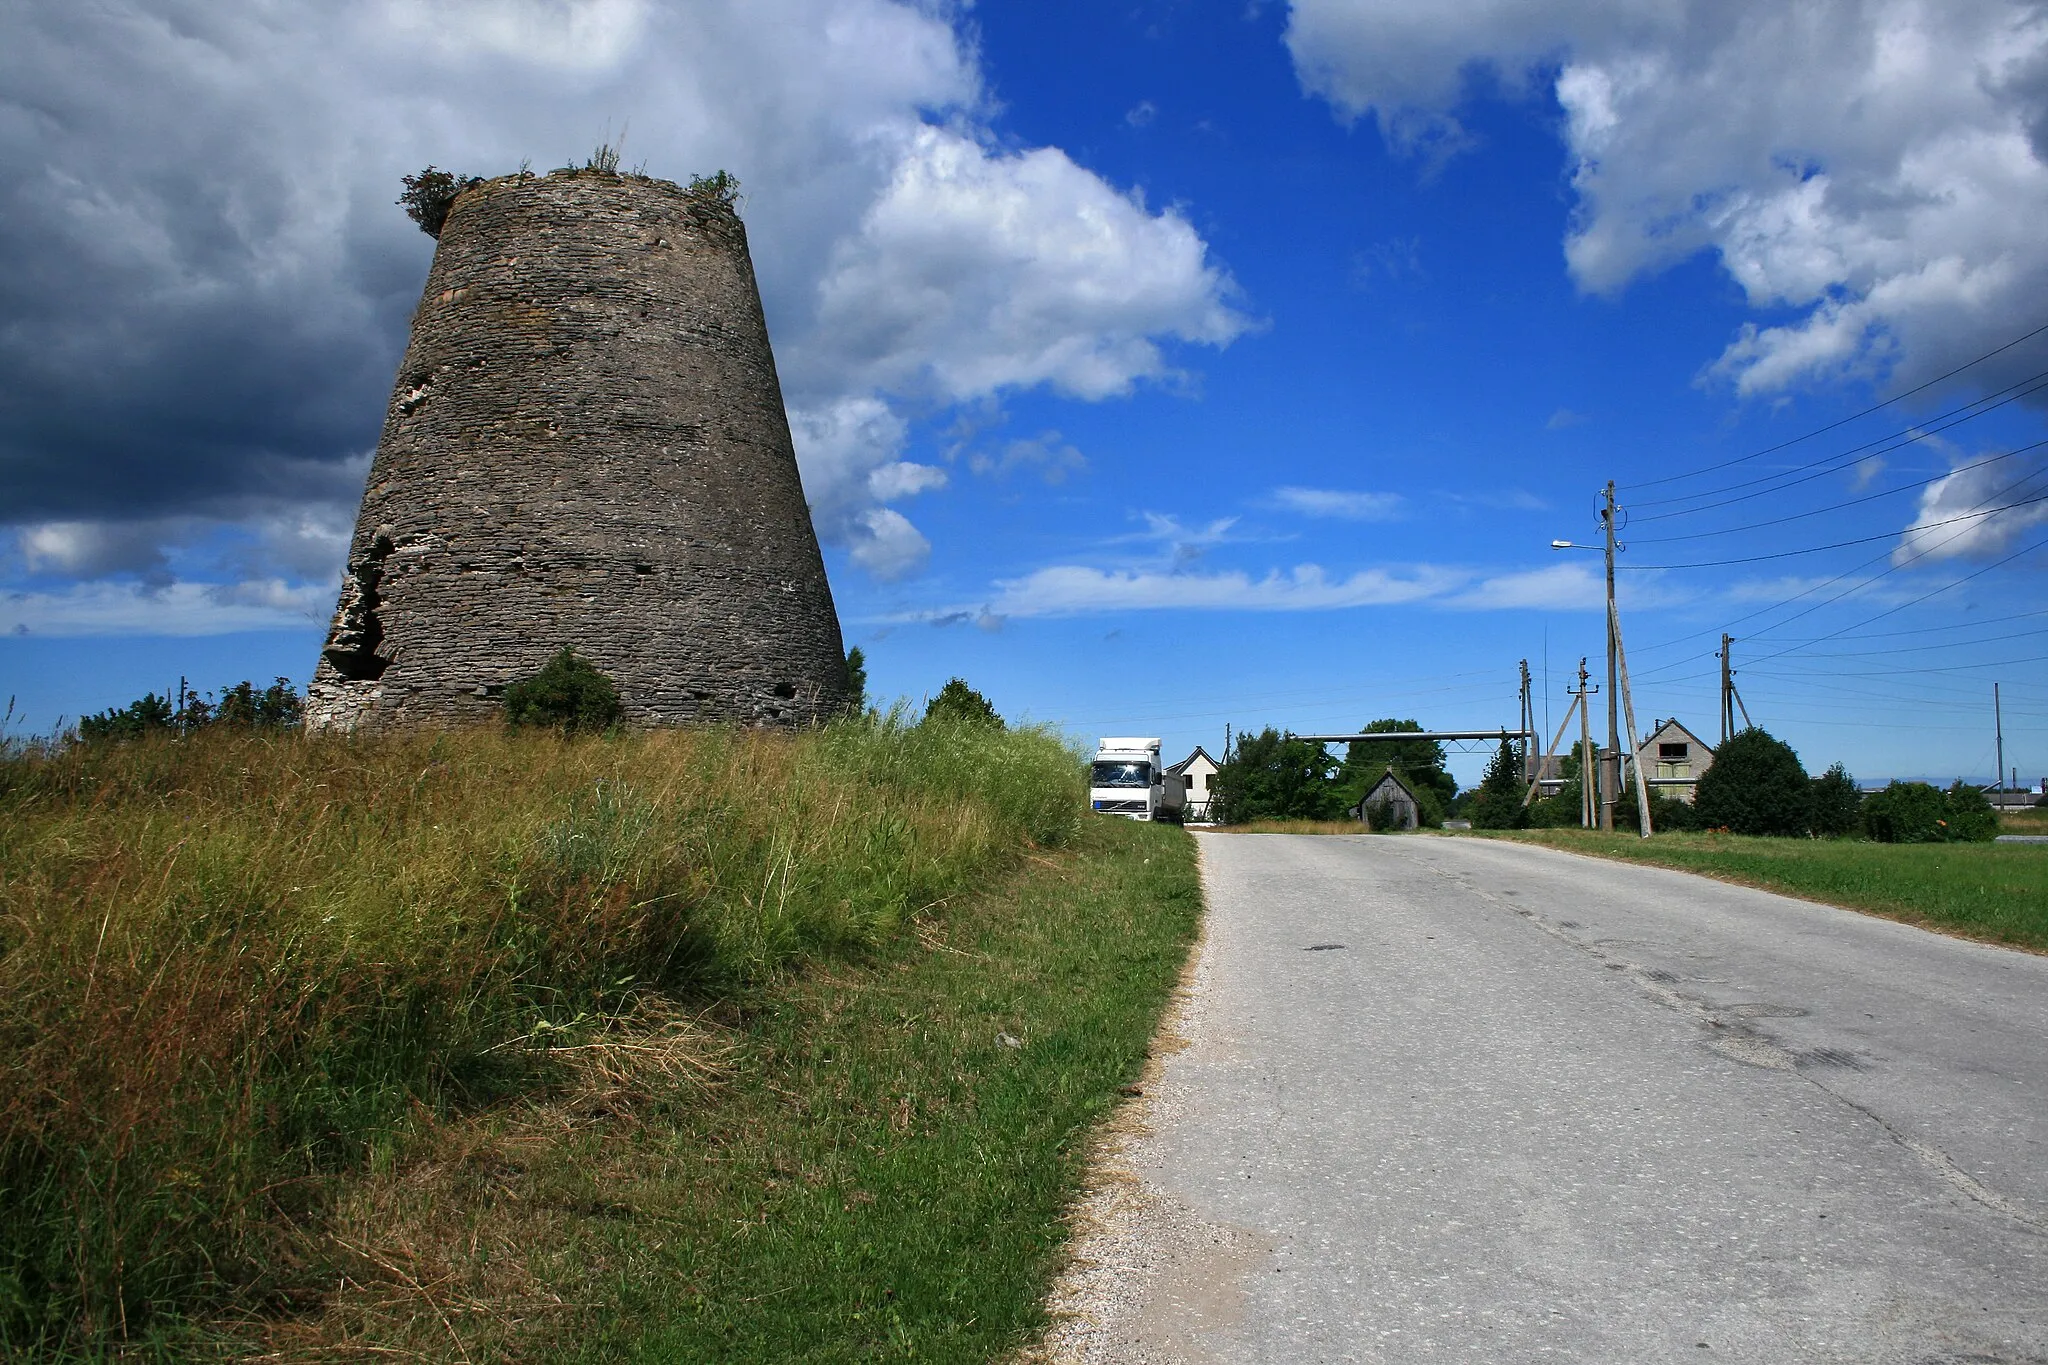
(1121,807)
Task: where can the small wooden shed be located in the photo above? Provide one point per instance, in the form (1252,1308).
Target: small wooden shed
(1398,797)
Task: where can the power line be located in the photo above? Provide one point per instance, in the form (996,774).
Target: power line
(1839,506)
(1843,544)
(1921,649)
(1831,464)
(1822,431)
(1828,583)
(1889,611)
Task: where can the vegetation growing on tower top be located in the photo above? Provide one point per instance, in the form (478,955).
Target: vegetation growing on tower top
(431,194)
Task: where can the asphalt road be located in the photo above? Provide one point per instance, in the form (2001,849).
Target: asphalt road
(1462,1100)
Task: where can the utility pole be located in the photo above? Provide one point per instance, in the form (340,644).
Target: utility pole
(1587,802)
(1727,707)
(1998,722)
(1635,745)
(1731,696)
(1528,726)
(1610,768)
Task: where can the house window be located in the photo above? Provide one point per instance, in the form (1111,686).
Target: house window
(1671,752)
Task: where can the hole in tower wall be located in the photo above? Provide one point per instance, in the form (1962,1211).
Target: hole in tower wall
(785,690)
(358,630)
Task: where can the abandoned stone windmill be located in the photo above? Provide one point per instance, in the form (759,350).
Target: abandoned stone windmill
(585,447)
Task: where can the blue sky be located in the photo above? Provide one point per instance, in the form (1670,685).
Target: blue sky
(1154,366)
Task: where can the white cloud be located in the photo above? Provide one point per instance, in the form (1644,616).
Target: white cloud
(1341,504)
(1977,512)
(978,271)
(182,609)
(887,545)
(1077,590)
(1872,164)
(1556,587)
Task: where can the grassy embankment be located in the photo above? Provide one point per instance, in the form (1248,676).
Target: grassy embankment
(1994,892)
(690,1044)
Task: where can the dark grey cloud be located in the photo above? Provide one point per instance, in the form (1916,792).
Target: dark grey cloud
(207,283)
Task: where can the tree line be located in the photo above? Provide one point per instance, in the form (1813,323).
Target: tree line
(1756,785)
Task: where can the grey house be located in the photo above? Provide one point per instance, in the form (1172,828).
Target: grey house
(1396,793)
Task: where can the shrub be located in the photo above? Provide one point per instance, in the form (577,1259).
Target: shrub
(1380,817)
(959,702)
(1970,818)
(149,715)
(720,187)
(1917,813)
(1755,786)
(430,195)
(568,694)
(1668,814)
(1837,804)
(1904,813)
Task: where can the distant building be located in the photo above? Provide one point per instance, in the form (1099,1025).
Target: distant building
(1396,794)
(1673,758)
(1198,772)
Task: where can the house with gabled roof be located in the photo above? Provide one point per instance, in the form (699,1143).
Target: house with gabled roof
(1197,773)
(1673,758)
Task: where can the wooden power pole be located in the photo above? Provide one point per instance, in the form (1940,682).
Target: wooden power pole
(1998,724)
(1529,727)
(1588,802)
(1610,769)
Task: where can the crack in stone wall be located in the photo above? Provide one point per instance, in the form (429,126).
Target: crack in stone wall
(585,446)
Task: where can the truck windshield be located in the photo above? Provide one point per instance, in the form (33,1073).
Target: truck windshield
(1122,774)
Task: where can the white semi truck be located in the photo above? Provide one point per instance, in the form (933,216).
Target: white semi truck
(1126,778)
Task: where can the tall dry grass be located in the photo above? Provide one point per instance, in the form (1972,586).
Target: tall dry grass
(231,966)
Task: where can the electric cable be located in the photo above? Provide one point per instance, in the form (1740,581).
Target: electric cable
(1875,407)
(1847,503)
(1834,464)
(1842,544)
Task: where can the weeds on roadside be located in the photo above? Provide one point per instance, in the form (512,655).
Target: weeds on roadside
(232,966)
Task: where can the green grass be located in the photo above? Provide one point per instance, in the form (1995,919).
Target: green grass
(240,976)
(885,1176)
(1994,892)
(873,1171)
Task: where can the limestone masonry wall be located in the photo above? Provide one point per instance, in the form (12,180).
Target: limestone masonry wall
(585,446)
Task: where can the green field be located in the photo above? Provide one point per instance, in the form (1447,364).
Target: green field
(469,1045)
(1994,892)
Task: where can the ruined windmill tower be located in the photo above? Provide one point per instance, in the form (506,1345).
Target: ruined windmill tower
(586,447)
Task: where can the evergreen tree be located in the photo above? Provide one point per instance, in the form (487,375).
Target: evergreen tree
(856,681)
(1498,803)
(959,702)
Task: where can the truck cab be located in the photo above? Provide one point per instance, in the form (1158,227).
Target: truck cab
(1126,778)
